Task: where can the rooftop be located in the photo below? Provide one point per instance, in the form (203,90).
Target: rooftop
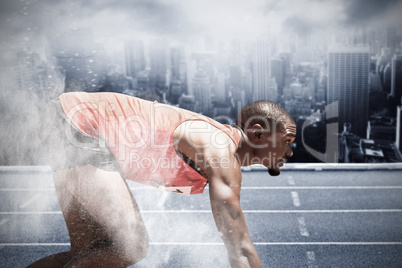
(318,215)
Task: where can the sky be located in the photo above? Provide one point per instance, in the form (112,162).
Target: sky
(27,23)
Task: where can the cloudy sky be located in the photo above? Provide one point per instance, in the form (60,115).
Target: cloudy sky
(25,23)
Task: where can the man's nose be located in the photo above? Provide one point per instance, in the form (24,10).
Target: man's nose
(289,152)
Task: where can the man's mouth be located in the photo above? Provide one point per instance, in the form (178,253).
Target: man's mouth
(281,162)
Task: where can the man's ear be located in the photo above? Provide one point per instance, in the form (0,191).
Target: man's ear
(255,132)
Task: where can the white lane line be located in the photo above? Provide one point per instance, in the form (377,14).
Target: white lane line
(209,211)
(30,212)
(25,189)
(311,259)
(30,201)
(221,244)
(295,199)
(32,244)
(329,243)
(320,187)
(302,227)
(3,221)
(243,188)
(315,187)
(291,181)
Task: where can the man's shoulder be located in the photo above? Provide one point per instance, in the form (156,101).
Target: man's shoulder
(203,133)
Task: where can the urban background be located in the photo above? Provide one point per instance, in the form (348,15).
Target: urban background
(228,55)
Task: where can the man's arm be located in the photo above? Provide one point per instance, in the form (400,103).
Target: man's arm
(214,153)
(224,191)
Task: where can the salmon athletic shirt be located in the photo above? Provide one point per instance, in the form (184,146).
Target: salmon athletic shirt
(139,134)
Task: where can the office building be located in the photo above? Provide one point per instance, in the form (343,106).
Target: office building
(264,87)
(348,76)
(398,141)
(159,60)
(134,57)
(202,91)
(396,79)
(177,56)
(220,88)
(278,71)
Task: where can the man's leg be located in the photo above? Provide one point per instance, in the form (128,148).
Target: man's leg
(102,217)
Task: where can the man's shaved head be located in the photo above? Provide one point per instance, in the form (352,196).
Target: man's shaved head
(264,112)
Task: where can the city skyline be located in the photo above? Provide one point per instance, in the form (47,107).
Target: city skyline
(213,73)
(28,23)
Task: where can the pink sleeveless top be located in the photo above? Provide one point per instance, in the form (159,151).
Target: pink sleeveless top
(139,134)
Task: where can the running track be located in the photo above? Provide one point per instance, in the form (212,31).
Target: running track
(310,216)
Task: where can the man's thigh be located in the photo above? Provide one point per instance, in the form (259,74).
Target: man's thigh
(95,201)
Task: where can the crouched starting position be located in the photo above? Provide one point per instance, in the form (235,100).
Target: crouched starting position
(96,141)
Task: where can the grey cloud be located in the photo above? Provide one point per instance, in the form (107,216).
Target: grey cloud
(363,11)
(39,16)
(155,16)
(299,25)
(271,6)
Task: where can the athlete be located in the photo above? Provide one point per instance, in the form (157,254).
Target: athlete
(96,141)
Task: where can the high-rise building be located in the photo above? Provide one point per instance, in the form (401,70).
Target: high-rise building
(202,91)
(160,63)
(178,73)
(348,76)
(175,91)
(191,68)
(177,56)
(398,141)
(220,87)
(391,38)
(183,75)
(279,71)
(263,86)
(396,79)
(134,57)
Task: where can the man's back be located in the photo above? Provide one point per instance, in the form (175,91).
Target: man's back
(140,135)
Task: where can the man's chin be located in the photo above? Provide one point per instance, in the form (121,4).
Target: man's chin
(274,171)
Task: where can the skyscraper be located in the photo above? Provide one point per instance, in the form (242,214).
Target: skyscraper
(263,86)
(177,56)
(391,38)
(134,57)
(202,91)
(220,87)
(396,79)
(278,70)
(348,76)
(398,141)
(160,63)
(178,72)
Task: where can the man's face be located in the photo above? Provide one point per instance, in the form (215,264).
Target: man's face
(275,147)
